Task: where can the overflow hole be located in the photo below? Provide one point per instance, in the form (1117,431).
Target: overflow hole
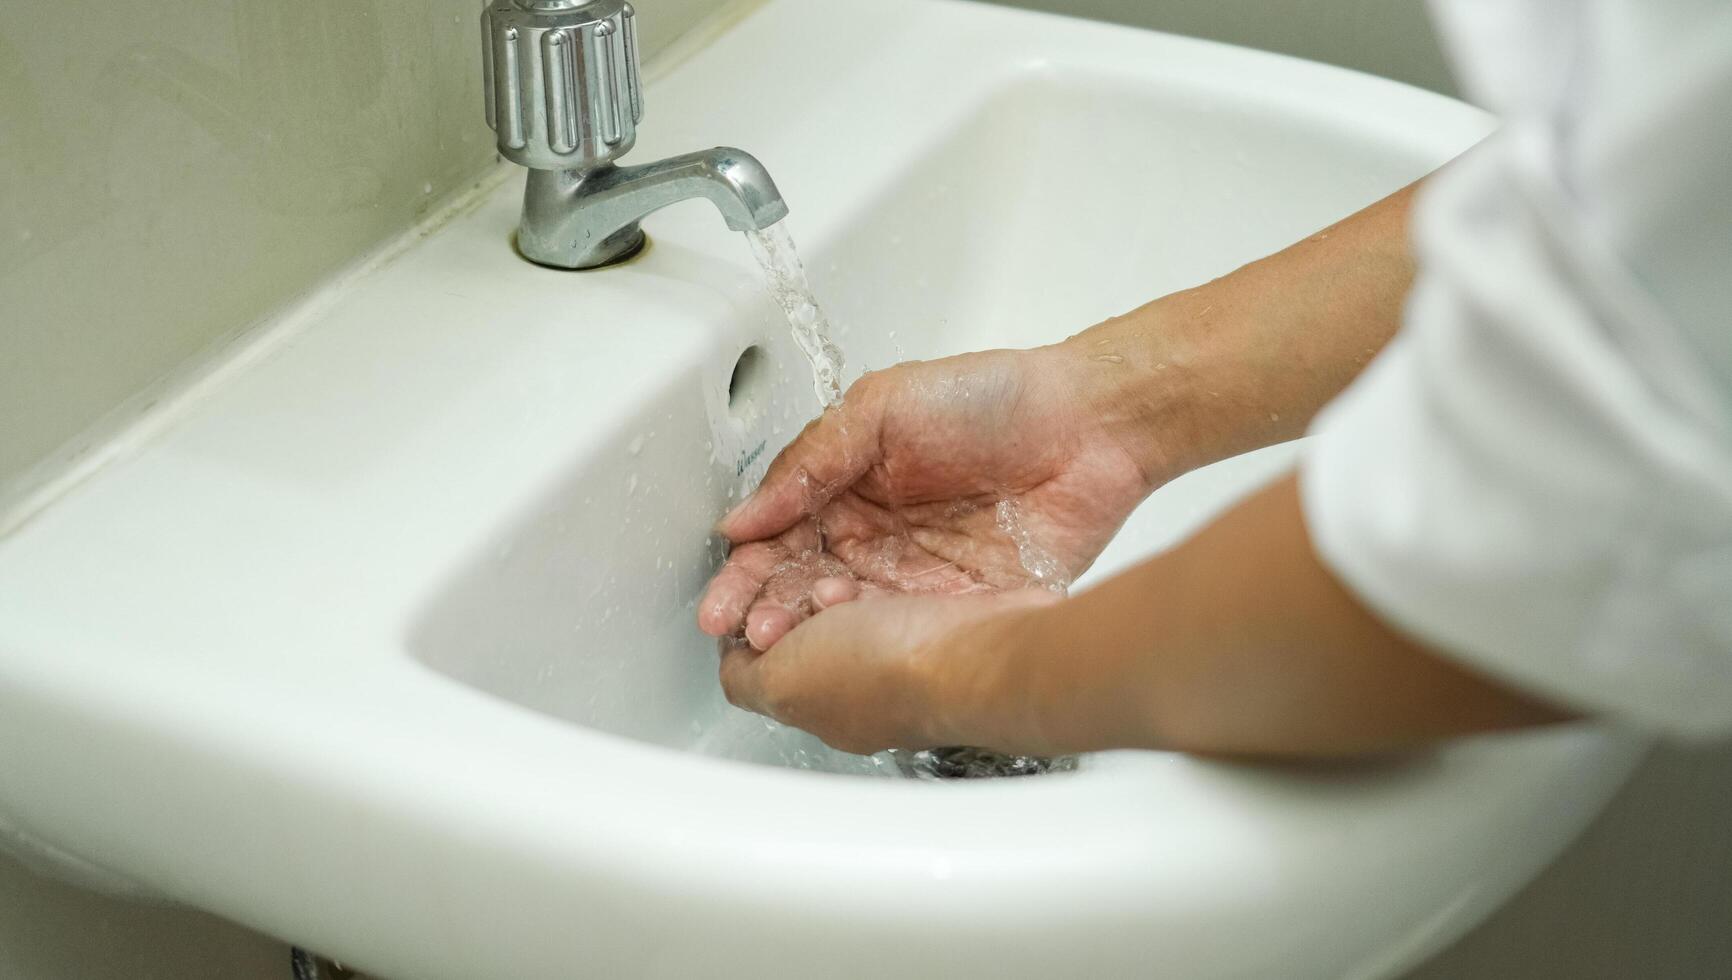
(747,387)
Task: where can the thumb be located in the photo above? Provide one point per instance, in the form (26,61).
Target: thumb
(833,451)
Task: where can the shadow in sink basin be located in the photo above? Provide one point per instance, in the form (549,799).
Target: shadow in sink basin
(1066,200)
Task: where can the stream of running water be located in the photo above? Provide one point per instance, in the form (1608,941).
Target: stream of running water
(785,278)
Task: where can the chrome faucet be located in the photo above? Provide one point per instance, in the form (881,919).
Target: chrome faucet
(564,96)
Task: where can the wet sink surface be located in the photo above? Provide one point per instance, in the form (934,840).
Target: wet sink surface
(385,645)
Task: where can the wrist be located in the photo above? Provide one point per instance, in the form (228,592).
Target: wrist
(1027,681)
(978,691)
(1158,380)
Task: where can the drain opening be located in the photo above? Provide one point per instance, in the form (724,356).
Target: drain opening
(748,386)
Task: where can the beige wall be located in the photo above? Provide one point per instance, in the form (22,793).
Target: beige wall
(1385,37)
(1646,892)
(170,172)
(53,931)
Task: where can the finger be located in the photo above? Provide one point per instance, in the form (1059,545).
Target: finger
(785,598)
(722,610)
(833,591)
(901,563)
(739,675)
(825,458)
(768,622)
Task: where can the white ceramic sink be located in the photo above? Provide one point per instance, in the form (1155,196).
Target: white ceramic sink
(385,645)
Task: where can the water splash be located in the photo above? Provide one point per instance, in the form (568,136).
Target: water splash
(786,277)
(744,736)
(1043,568)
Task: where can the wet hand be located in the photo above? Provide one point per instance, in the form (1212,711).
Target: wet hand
(900,672)
(972,474)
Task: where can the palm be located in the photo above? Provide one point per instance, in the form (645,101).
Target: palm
(965,475)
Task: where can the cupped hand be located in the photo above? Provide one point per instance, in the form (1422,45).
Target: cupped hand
(977,473)
(904,672)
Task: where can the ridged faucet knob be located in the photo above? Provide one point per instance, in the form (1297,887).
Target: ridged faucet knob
(560,81)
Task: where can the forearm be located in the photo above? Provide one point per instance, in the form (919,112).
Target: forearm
(1238,642)
(1246,360)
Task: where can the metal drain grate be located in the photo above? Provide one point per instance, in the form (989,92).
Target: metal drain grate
(961,762)
(306,966)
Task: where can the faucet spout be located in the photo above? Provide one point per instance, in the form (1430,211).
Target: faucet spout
(580,219)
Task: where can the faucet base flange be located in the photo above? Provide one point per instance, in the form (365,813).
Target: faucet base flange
(621,246)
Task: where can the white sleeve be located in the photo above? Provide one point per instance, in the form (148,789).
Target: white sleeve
(1535,477)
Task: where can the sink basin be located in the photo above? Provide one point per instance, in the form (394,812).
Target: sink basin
(384,645)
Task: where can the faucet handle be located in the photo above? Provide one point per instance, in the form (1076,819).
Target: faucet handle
(560,81)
